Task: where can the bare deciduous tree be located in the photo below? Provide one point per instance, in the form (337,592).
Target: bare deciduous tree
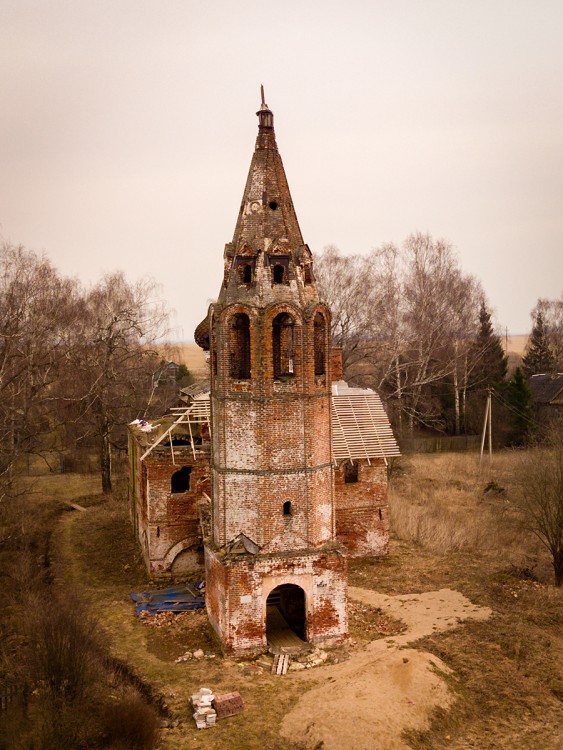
(114,370)
(35,315)
(405,318)
(540,500)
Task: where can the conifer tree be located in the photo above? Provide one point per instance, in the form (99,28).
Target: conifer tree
(491,364)
(519,399)
(539,357)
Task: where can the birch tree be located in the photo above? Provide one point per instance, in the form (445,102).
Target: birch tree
(405,317)
(114,369)
(36,306)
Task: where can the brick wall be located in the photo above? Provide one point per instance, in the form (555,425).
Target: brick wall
(168,523)
(361,509)
(271,437)
(238,588)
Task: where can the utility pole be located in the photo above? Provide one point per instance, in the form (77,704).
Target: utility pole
(487,422)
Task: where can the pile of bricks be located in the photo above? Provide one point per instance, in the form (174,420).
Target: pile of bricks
(204,713)
(209,707)
(228,704)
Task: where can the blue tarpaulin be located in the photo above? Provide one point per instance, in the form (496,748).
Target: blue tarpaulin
(174,599)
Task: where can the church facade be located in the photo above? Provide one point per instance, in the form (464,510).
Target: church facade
(275,472)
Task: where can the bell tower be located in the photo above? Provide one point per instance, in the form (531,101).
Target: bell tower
(272,555)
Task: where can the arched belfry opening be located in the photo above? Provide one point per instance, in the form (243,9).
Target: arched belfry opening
(239,336)
(283,345)
(286,618)
(319,338)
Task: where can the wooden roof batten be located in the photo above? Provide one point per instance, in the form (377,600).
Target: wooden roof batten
(197,413)
(360,426)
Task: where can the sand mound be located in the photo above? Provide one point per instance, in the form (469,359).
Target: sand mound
(367,701)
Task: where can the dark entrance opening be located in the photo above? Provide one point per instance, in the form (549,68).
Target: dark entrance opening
(286,619)
(180,480)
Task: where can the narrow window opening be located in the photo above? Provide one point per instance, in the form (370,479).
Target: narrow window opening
(380,515)
(319,343)
(180,480)
(157,531)
(351,472)
(273,205)
(307,276)
(283,345)
(279,274)
(240,347)
(287,508)
(245,273)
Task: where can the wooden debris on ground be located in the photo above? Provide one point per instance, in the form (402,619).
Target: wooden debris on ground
(281,664)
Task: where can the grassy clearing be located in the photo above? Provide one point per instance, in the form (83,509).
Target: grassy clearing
(447,504)
(448,533)
(97,552)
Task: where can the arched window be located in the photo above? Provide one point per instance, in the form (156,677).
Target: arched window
(287,508)
(279,274)
(180,480)
(319,343)
(307,275)
(239,347)
(283,345)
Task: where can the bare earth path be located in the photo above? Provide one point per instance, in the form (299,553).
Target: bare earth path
(366,702)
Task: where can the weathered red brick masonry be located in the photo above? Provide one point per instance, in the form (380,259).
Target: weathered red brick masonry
(288,476)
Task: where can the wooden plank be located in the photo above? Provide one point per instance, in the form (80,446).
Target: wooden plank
(75,506)
(281,638)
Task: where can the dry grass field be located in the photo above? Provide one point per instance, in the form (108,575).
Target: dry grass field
(515,344)
(185,354)
(503,674)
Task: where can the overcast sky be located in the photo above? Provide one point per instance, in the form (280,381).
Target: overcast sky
(127,129)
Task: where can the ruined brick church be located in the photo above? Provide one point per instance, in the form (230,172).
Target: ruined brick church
(276,469)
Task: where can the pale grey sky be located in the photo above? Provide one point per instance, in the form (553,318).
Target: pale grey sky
(128,126)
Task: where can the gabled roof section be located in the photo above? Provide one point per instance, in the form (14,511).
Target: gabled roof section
(241,544)
(547,389)
(360,426)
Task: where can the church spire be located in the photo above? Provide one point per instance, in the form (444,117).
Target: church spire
(267,259)
(266,214)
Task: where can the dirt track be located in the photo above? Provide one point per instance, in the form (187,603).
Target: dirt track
(366,702)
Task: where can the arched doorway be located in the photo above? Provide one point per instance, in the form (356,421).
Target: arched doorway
(286,618)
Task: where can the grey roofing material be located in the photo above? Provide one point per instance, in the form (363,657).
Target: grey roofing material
(547,389)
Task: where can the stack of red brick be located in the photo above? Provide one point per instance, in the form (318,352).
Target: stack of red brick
(209,707)
(228,704)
